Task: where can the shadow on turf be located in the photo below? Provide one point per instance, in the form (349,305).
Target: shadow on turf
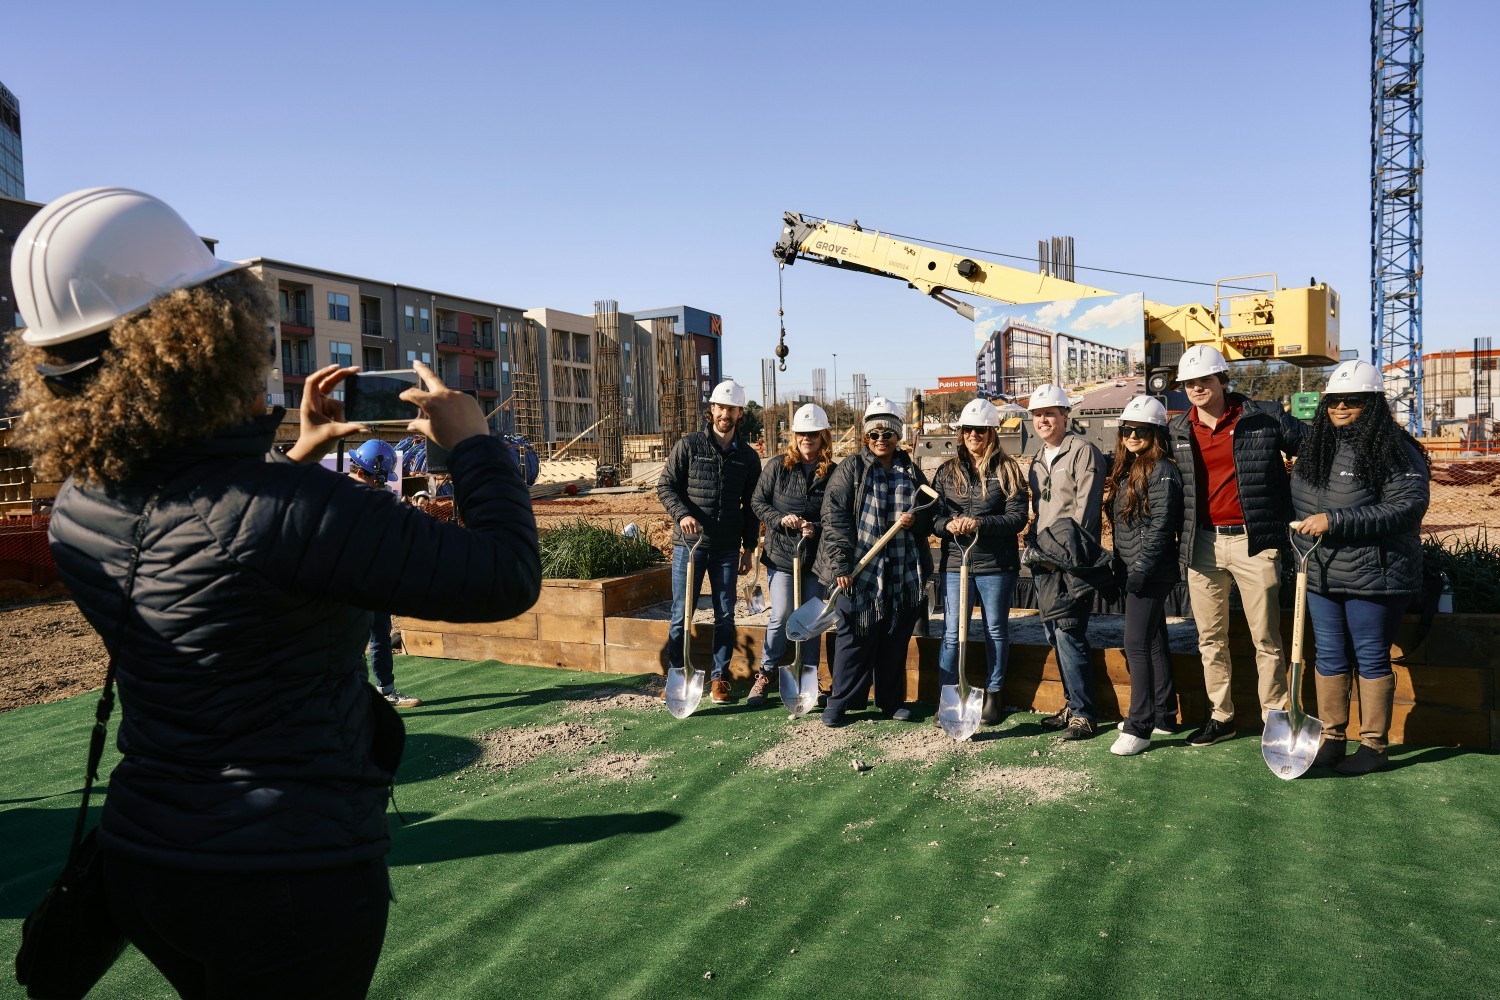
(425,840)
(486,701)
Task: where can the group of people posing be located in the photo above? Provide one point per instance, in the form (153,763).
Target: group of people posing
(1205,493)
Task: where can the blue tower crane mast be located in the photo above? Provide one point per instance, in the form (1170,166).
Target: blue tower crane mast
(1396,204)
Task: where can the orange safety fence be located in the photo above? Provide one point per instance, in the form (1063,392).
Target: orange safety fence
(24,554)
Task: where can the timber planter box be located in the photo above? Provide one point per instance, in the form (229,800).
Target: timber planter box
(565,628)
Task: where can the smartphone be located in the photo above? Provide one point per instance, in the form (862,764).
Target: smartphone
(374,398)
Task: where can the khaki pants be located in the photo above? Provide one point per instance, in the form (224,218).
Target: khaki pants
(1218,559)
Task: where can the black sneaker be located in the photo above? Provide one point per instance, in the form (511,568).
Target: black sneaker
(1078,728)
(1057,720)
(1213,731)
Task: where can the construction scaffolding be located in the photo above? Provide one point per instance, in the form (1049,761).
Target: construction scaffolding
(526,391)
(607,383)
(676,382)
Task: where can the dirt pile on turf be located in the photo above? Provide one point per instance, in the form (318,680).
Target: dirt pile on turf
(924,745)
(1025,784)
(503,749)
(804,743)
(618,766)
(610,699)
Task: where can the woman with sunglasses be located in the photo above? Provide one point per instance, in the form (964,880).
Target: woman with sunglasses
(788,500)
(867,494)
(1144,499)
(1360,484)
(983,493)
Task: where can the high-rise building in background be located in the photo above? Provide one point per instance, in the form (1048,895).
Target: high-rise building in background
(12,177)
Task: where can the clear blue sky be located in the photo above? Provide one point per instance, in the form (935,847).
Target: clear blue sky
(557,154)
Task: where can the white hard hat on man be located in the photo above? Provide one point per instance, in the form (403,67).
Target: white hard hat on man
(728,393)
(1198,361)
(93,257)
(1046,395)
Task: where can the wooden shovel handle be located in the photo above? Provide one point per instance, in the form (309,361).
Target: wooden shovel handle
(880,543)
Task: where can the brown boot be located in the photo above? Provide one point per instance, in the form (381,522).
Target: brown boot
(1333,709)
(1376,700)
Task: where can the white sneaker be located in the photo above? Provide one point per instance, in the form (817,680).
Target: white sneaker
(1128,746)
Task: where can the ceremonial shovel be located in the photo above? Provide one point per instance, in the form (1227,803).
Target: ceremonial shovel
(685,685)
(960,706)
(799,684)
(1291,739)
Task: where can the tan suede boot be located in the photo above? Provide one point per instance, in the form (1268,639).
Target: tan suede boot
(1377,698)
(1333,709)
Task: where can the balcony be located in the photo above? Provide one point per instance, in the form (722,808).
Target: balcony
(483,382)
(297,317)
(371,328)
(452,340)
(293,367)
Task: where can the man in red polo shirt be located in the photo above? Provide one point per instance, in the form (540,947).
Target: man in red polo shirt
(1236,504)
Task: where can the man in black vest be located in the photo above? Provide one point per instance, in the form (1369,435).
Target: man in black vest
(706,487)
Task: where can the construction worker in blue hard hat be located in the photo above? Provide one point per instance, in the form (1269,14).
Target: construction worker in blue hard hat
(372,464)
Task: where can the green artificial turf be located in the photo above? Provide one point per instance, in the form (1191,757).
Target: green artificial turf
(1179,873)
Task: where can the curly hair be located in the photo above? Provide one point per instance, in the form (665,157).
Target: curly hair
(1131,473)
(1378,442)
(192,365)
(791,458)
(995,462)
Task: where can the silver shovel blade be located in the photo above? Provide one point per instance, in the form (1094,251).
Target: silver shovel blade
(756,602)
(799,689)
(959,716)
(683,692)
(1289,750)
(811,620)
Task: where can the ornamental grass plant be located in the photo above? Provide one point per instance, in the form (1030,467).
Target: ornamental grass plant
(583,551)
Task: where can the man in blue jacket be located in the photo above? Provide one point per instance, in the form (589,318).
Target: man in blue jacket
(706,486)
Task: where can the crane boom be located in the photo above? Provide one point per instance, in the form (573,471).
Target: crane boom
(1296,325)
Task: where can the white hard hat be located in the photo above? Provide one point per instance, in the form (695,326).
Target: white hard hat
(93,257)
(1145,410)
(979,413)
(1200,360)
(1047,395)
(809,419)
(882,407)
(728,393)
(1355,376)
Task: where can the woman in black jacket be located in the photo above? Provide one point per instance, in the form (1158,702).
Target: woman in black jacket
(1361,484)
(869,493)
(983,493)
(1144,499)
(244,834)
(788,500)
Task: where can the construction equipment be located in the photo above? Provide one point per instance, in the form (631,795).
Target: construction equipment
(1291,738)
(684,684)
(959,705)
(1296,325)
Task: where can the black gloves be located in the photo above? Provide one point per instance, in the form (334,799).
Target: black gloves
(1135,583)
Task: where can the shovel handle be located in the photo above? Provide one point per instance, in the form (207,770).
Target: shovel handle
(884,539)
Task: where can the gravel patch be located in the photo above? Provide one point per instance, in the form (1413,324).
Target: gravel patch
(619,766)
(504,749)
(646,698)
(1025,784)
(806,743)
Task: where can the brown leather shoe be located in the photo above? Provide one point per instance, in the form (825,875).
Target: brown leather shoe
(720,693)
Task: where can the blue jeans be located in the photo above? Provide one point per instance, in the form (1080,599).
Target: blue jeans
(721,568)
(994,591)
(779,581)
(1070,637)
(1343,623)
(380,653)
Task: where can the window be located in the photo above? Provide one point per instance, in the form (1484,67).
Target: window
(425,317)
(504,332)
(374,359)
(411,319)
(341,354)
(338,306)
(505,373)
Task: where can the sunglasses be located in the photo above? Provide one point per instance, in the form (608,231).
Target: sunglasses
(880,435)
(974,430)
(1347,402)
(1135,432)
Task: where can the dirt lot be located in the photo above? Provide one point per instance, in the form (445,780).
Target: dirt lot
(48,652)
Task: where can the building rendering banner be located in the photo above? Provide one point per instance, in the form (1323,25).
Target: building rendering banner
(1069,342)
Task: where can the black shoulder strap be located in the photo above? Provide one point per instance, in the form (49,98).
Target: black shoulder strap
(107,696)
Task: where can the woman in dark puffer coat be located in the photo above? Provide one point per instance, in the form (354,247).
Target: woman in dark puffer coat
(1144,501)
(244,832)
(1361,484)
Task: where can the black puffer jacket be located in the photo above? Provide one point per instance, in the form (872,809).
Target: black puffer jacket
(247,723)
(713,486)
(782,491)
(1001,518)
(1373,546)
(1146,544)
(839,549)
(1263,432)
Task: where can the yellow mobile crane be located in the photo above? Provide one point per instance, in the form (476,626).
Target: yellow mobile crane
(1296,325)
